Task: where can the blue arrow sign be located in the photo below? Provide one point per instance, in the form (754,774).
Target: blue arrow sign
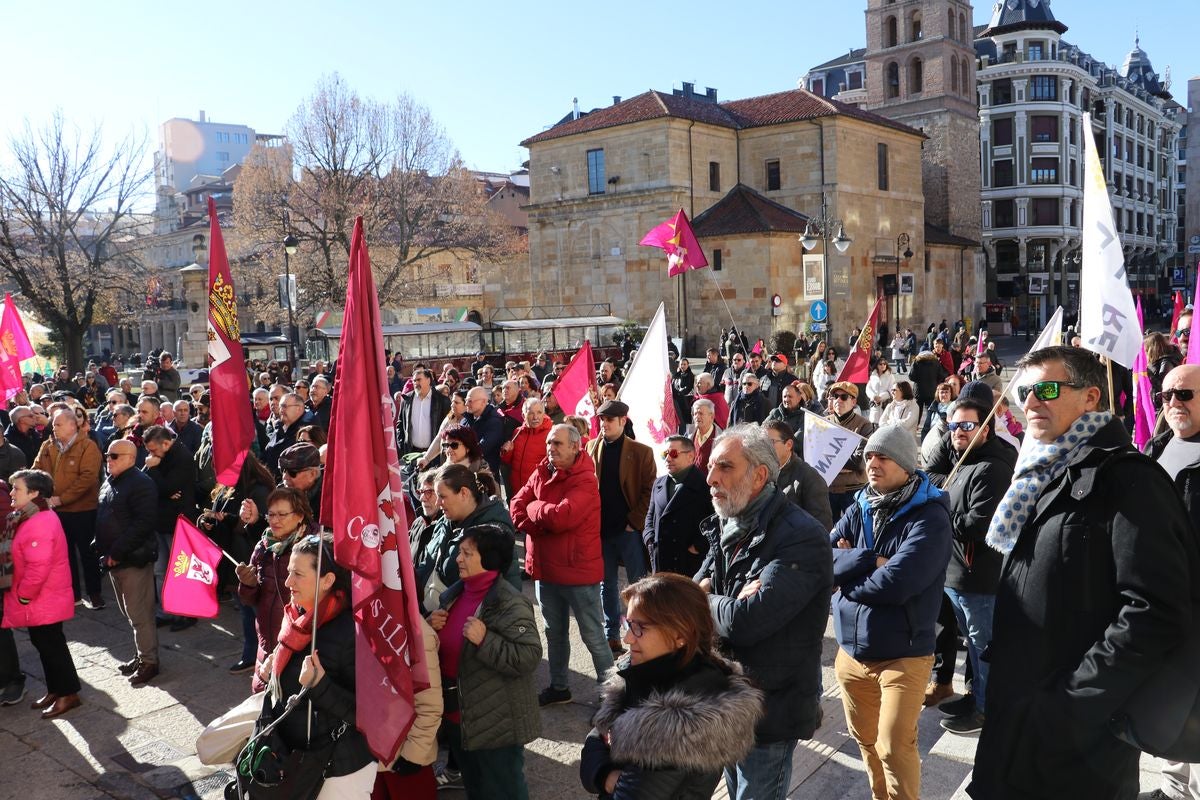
(819,311)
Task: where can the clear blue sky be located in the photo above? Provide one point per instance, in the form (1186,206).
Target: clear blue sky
(492,73)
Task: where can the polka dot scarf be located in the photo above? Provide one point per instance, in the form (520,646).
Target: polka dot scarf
(1037,467)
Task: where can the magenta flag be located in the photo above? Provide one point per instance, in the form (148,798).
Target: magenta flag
(190,586)
(362,502)
(676,239)
(1176,312)
(1144,414)
(981,342)
(1193,353)
(574,387)
(14,347)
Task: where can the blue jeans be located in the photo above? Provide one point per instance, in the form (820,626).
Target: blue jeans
(763,774)
(557,601)
(625,547)
(974,614)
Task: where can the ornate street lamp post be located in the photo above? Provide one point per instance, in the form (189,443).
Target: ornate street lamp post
(825,229)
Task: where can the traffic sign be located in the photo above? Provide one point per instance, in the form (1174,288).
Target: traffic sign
(817,327)
(819,311)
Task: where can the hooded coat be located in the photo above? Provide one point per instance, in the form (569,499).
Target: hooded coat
(670,729)
(976,490)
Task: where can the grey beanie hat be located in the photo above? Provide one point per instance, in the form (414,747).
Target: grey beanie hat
(897,443)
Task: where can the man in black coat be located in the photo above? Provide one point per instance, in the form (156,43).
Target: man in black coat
(769,571)
(319,403)
(414,432)
(128,549)
(283,435)
(1093,597)
(186,430)
(483,418)
(750,405)
(798,480)
(22,433)
(173,469)
(679,502)
(974,568)
(779,377)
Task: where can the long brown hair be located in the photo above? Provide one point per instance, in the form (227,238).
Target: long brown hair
(678,606)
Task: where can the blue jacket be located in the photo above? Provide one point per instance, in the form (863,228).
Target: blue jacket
(490,430)
(881,613)
(776,633)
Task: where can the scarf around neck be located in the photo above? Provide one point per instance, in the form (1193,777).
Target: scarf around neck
(882,507)
(1038,465)
(296,633)
(734,529)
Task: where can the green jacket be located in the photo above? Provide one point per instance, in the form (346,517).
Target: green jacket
(495,679)
(442,550)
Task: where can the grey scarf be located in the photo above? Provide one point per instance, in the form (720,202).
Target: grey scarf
(734,529)
(884,506)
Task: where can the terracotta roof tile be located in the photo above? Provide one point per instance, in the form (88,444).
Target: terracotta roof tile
(744,210)
(753,112)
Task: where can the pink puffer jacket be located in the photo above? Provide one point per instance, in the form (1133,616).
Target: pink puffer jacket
(41,574)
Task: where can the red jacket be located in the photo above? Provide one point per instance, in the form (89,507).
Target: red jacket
(527,451)
(559,514)
(41,574)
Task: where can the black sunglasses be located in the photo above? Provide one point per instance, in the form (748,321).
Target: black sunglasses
(963,426)
(1166,396)
(1045,390)
(839,396)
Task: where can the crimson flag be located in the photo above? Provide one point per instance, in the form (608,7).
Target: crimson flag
(14,347)
(1176,313)
(232,414)
(362,501)
(857,368)
(190,585)
(676,239)
(574,387)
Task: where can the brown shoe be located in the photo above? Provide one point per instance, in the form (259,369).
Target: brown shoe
(937,692)
(44,701)
(145,673)
(62,705)
(129,667)
(616,647)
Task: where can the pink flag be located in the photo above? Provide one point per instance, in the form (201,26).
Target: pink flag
(14,347)
(362,502)
(1193,353)
(981,346)
(677,240)
(1176,312)
(190,587)
(574,387)
(1144,414)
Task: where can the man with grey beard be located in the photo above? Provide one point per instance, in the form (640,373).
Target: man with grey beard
(769,572)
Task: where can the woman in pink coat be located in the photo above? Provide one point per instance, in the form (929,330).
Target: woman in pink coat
(41,596)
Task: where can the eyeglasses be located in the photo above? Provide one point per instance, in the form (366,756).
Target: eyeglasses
(962,426)
(638,629)
(674,453)
(1166,396)
(426,490)
(1045,390)
(291,473)
(279,514)
(451,445)
(750,384)
(839,396)
(114,456)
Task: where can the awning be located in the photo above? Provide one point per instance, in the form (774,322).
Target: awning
(411,329)
(557,322)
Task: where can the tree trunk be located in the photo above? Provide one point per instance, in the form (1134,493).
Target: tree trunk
(73,355)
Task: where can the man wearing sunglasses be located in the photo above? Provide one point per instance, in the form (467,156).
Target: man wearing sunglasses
(679,502)
(843,409)
(974,568)
(1094,596)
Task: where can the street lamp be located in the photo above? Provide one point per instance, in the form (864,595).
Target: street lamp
(826,229)
(901,241)
(290,245)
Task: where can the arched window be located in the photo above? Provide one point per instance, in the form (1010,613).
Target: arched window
(890,33)
(891,83)
(916,78)
(964,33)
(914,24)
(951,21)
(954,74)
(965,79)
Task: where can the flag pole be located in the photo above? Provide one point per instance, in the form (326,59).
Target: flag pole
(316,620)
(725,302)
(1112,399)
(991,415)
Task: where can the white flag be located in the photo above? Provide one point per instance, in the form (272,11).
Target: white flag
(1107,318)
(1051,336)
(647,388)
(827,445)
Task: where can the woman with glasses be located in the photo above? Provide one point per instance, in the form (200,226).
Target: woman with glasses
(261,581)
(934,425)
(224,525)
(316,592)
(453,419)
(460,445)
(464,503)
(903,410)
(826,374)
(489,648)
(676,713)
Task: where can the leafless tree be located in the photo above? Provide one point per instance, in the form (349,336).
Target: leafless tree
(68,231)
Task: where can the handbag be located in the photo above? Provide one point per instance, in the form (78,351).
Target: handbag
(225,736)
(268,769)
(434,586)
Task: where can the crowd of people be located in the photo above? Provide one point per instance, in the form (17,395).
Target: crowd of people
(949,521)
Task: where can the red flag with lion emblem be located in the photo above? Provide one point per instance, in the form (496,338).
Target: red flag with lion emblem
(576,385)
(857,368)
(362,501)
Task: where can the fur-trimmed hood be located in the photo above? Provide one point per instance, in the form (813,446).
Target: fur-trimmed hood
(678,728)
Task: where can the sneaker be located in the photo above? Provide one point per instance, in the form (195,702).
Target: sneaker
(241,667)
(959,707)
(967,723)
(553,697)
(95,602)
(937,692)
(446,778)
(13,693)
